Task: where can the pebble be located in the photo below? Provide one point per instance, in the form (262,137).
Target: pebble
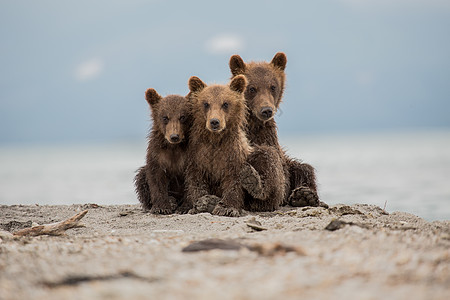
(254,224)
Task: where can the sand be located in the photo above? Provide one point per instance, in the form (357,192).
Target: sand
(125,253)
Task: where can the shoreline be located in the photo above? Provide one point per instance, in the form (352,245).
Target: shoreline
(125,252)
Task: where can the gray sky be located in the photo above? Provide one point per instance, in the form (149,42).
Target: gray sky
(77,71)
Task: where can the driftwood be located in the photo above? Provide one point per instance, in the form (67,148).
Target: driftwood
(58,228)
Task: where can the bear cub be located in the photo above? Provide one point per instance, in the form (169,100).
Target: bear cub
(263,96)
(218,146)
(160,183)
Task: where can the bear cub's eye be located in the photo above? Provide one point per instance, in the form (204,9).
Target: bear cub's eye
(206,105)
(182,119)
(165,119)
(273,88)
(225,105)
(252,89)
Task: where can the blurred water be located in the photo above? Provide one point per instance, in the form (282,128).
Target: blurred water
(404,171)
(101,174)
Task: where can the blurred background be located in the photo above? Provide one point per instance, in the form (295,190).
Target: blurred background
(367,100)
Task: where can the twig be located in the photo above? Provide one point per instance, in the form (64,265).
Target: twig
(54,228)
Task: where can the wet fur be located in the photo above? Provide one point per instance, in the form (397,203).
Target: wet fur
(216,157)
(265,88)
(160,184)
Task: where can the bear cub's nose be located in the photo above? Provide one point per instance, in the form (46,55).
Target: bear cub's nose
(174,138)
(214,123)
(266,112)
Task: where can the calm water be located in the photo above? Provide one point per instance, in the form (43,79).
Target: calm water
(404,171)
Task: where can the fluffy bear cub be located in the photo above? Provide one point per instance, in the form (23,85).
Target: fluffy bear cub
(263,96)
(160,183)
(218,146)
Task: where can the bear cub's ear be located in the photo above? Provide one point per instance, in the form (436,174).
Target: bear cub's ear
(238,84)
(152,96)
(196,84)
(279,60)
(237,65)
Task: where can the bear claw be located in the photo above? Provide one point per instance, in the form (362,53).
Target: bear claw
(183,209)
(220,210)
(166,209)
(161,211)
(304,196)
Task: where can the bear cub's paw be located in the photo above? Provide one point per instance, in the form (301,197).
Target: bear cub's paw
(304,196)
(204,204)
(183,209)
(161,211)
(251,182)
(221,210)
(166,209)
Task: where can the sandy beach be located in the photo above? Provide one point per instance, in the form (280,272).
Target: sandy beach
(292,253)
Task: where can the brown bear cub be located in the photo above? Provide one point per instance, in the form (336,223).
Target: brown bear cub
(160,183)
(218,147)
(263,96)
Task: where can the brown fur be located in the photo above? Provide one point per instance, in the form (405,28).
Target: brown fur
(264,94)
(218,146)
(270,191)
(160,183)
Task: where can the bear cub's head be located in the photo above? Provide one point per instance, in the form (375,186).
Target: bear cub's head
(218,107)
(265,84)
(170,115)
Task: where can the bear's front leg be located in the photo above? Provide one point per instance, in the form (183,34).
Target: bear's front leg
(232,199)
(196,188)
(263,177)
(159,193)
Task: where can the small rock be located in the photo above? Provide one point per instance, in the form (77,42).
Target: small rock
(323,204)
(254,224)
(338,224)
(125,213)
(335,225)
(90,205)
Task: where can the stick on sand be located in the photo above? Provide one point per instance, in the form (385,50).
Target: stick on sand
(58,228)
